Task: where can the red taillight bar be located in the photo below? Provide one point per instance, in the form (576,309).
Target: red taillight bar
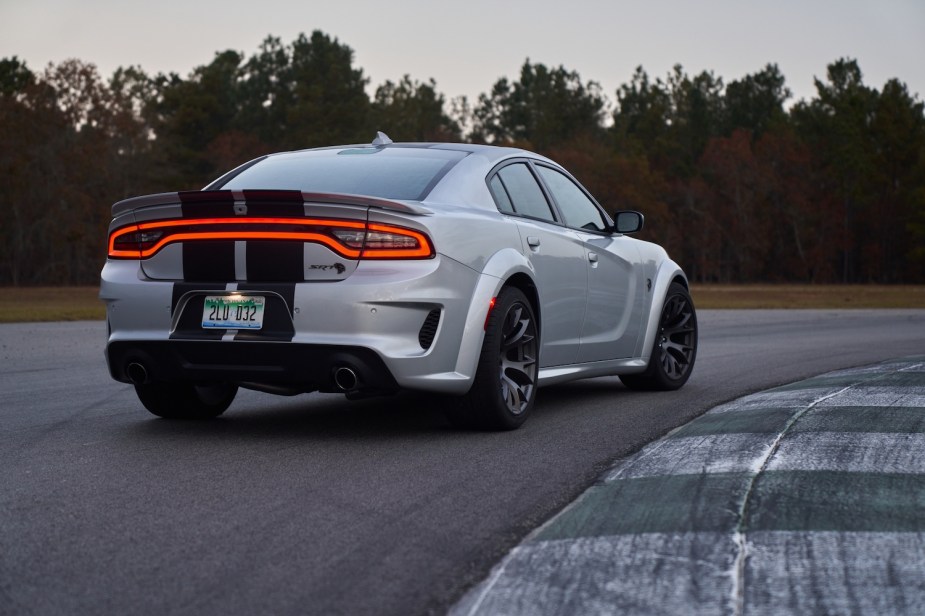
(204,229)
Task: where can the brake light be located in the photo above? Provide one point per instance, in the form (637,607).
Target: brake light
(349,239)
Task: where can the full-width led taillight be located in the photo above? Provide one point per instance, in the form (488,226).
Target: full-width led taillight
(350,239)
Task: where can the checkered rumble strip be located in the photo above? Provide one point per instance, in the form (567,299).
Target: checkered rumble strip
(805,499)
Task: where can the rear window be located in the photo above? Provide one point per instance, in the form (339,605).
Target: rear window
(388,173)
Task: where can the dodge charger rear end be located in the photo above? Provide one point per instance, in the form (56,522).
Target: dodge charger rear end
(471,271)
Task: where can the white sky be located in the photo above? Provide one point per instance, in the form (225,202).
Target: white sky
(468,45)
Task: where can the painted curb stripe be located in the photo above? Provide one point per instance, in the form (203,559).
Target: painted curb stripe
(895,448)
(794,399)
(716,453)
(673,503)
(910,419)
(853,452)
(781,500)
(837,501)
(879,396)
(754,420)
(871,419)
(680,571)
(795,573)
(835,573)
(890,379)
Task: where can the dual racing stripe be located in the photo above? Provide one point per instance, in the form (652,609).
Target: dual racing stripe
(211,266)
(265,260)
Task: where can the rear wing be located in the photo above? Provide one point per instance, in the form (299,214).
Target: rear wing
(240,197)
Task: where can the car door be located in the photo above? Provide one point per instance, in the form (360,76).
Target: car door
(558,259)
(615,296)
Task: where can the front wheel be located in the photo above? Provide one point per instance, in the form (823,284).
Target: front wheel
(186,400)
(505,381)
(675,347)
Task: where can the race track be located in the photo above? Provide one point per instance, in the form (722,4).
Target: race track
(316,505)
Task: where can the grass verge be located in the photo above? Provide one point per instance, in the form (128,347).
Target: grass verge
(18,304)
(707,296)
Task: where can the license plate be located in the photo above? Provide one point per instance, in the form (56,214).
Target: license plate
(233,312)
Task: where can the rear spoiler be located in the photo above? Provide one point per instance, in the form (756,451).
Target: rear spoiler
(243,196)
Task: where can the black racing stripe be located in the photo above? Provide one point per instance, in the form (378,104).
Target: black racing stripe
(282,203)
(275,261)
(207,204)
(277,313)
(189,325)
(208,261)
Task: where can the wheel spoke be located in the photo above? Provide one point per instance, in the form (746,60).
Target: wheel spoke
(676,337)
(518,358)
(515,394)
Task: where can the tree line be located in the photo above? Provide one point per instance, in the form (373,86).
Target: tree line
(737,182)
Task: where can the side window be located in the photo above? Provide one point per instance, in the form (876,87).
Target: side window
(577,209)
(500,194)
(522,191)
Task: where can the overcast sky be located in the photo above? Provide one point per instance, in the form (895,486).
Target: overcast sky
(467,45)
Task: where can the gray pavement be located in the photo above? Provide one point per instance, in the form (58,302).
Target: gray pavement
(317,505)
(804,499)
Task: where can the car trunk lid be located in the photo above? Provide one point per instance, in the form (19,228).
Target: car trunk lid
(253,235)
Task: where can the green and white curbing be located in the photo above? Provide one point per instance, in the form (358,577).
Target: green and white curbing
(805,499)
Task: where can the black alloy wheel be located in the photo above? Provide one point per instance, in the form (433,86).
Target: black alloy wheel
(675,348)
(505,382)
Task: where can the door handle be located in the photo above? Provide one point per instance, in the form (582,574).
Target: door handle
(533,241)
(592,257)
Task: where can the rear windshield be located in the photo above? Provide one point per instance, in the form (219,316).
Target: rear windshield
(388,173)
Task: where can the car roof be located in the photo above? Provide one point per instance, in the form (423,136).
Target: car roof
(479,159)
(492,153)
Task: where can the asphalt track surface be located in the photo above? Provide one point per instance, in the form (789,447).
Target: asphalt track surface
(315,505)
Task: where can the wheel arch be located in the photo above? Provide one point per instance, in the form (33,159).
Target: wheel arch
(527,286)
(668,272)
(507,267)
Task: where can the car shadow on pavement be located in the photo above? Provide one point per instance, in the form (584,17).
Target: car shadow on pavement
(316,415)
(255,415)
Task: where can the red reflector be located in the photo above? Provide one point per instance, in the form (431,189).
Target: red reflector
(491,306)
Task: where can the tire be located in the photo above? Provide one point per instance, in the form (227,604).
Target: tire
(504,389)
(675,347)
(186,400)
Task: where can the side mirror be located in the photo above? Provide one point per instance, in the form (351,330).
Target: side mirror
(628,221)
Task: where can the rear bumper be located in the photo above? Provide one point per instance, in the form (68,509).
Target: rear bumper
(373,321)
(306,367)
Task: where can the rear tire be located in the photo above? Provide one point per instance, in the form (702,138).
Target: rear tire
(675,347)
(504,389)
(186,400)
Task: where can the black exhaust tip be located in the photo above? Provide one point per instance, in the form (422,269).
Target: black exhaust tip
(136,373)
(346,379)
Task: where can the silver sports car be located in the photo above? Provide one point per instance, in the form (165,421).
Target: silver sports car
(472,271)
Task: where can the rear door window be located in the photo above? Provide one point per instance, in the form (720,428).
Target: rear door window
(515,187)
